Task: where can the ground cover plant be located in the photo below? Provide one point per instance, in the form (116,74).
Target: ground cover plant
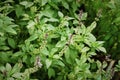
(59,40)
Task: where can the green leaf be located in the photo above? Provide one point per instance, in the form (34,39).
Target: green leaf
(58,62)
(105,64)
(56,56)
(65,4)
(4,48)
(26,4)
(119,62)
(44,2)
(83,58)
(77,61)
(85,49)
(74,6)
(10,30)
(11,42)
(8,67)
(65,23)
(60,14)
(99,77)
(91,38)
(54,5)
(45,51)
(13,25)
(67,55)
(7,1)
(60,43)
(51,72)
(24,58)
(17,54)
(33,37)
(111,4)
(18,10)
(102,49)
(50,27)
(98,64)
(54,36)
(75,22)
(17,75)
(48,13)
(78,38)
(84,16)
(23,3)
(53,50)
(26,17)
(51,20)
(30,24)
(2,68)
(16,68)
(69,18)
(63,38)
(48,63)
(83,28)
(91,54)
(117,20)
(10,78)
(93,66)
(91,27)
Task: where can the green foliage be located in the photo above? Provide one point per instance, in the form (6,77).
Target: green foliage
(53,39)
(106,13)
